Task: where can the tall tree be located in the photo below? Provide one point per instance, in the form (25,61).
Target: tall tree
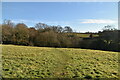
(7,31)
(22,34)
(57,29)
(40,26)
(32,35)
(68,29)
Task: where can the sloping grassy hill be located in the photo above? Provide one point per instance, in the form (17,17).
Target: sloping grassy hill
(83,35)
(40,62)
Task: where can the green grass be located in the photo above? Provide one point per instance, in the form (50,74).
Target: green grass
(43,62)
(85,35)
(81,35)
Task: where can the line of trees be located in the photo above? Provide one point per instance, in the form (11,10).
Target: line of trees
(44,35)
(41,35)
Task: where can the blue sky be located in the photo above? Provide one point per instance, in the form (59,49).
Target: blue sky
(81,16)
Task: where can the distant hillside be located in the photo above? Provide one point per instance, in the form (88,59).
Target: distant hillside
(84,35)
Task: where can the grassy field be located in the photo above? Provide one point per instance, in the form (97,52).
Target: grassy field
(83,35)
(86,35)
(43,62)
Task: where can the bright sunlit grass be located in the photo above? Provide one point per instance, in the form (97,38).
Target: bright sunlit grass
(44,62)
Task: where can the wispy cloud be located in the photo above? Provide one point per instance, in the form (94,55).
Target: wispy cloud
(41,21)
(99,21)
(24,21)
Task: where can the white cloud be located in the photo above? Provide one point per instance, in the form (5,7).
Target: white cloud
(24,21)
(33,22)
(99,21)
